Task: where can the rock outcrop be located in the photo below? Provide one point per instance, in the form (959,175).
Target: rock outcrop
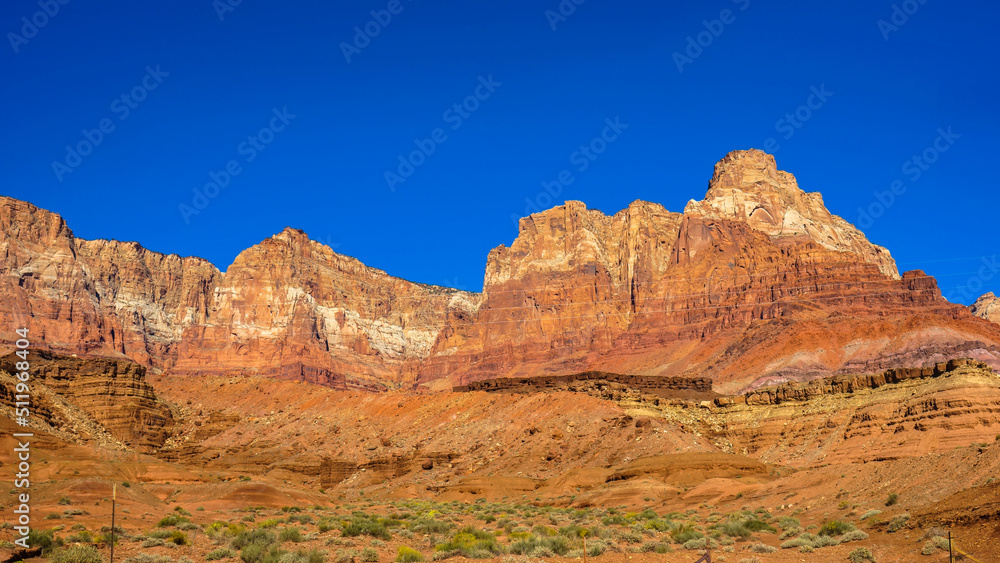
(756,284)
(599,383)
(88,396)
(987,307)
(845,384)
(288,307)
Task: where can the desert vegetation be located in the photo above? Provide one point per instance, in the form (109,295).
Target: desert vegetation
(413,530)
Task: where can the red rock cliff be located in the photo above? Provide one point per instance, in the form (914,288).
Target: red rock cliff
(756,283)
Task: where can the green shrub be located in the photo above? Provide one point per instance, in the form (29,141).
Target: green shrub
(861,555)
(657,524)
(854,535)
(77,554)
(762,548)
(303,556)
(596,547)
(470,542)
(363,524)
(893,499)
(755,525)
(629,536)
(258,536)
(870,513)
(700,543)
(44,539)
(685,533)
(735,529)
(221,553)
(290,533)
(835,528)
(797,542)
(529,545)
(83,536)
(64,500)
(171,520)
(614,520)
(408,555)
(178,537)
(787,522)
(261,553)
(576,531)
(301,518)
(898,522)
(369,555)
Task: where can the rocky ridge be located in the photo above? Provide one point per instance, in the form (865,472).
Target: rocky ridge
(756,284)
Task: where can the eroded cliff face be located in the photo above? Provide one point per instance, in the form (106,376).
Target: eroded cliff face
(291,307)
(987,307)
(288,307)
(100,400)
(758,283)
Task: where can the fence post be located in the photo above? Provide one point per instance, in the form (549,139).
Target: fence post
(114,498)
(951,550)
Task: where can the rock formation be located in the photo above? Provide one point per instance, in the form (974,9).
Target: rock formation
(757,283)
(87,397)
(987,307)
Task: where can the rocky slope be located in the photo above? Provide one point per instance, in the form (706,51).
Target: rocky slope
(102,401)
(756,283)
(987,307)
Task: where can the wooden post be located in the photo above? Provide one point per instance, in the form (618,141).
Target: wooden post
(114,497)
(951,551)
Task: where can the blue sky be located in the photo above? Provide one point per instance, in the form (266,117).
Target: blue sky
(265,90)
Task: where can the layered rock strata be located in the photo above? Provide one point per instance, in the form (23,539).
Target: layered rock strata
(69,393)
(756,284)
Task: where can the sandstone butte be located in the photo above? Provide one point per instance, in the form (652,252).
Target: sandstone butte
(757,283)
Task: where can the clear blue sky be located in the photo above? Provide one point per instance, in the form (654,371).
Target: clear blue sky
(323,171)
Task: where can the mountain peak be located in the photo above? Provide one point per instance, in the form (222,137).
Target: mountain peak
(748,170)
(748,187)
